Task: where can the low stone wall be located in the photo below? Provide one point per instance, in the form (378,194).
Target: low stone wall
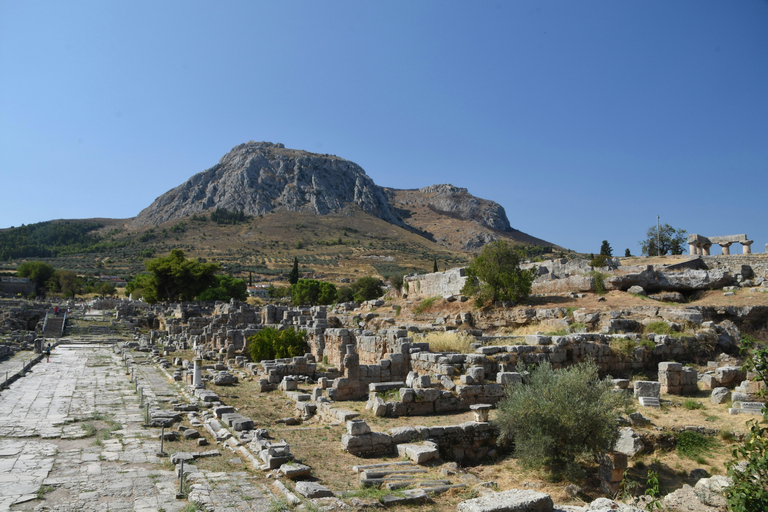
(465,443)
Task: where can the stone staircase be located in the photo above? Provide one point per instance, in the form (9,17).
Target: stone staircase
(54,327)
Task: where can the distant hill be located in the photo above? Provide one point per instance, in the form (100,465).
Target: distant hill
(257,178)
(262,206)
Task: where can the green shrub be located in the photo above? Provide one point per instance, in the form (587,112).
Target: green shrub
(601,260)
(557,415)
(270,343)
(692,404)
(599,278)
(693,445)
(424,305)
(659,327)
(495,275)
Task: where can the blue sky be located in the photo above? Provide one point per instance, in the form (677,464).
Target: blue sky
(584,120)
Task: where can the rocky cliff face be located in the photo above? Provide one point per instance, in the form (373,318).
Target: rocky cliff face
(258,177)
(459,203)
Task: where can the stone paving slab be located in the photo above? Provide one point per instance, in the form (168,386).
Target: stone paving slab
(44,447)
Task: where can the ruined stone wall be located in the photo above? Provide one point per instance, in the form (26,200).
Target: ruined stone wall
(465,443)
(437,284)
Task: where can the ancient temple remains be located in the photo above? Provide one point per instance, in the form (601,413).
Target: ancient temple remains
(700,245)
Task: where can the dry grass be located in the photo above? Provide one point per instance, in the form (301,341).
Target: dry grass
(448,341)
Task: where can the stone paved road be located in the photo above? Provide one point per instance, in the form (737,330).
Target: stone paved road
(45,421)
(58,451)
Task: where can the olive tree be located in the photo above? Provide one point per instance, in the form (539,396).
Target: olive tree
(495,275)
(556,415)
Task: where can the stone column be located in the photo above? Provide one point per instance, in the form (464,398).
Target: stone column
(692,249)
(726,246)
(746,246)
(197,375)
(705,248)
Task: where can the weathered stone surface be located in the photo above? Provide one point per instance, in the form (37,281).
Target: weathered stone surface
(313,490)
(720,395)
(258,177)
(629,442)
(647,388)
(514,500)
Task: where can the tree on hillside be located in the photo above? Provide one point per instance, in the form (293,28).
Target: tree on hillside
(294,276)
(225,288)
(606,249)
(179,278)
(69,283)
(666,240)
(367,288)
(627,254)
(312,292)
(495,275)
(434,269)
(38,271)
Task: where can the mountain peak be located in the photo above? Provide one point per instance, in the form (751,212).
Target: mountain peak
(258,177)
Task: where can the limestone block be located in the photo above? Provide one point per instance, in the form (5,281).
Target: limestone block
(422,381)
(404,434)
(493,390)
(537,339)
(447,383)
(466,380)
(508,378)
(418,453)
(313,490)
(708,381)
(647,388)
(514,500)
(629,442)
(427,394)
(295,470)
(477,373)
(357,427)
(720,395)
(468,391)
(728,375)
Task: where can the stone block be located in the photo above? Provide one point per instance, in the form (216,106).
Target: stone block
(720,395)
(357,427)
(506,378)
(295,470)
(514,500)
(647,388)
(418,453)
(313,490)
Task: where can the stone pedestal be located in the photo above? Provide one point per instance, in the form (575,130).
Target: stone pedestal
(726,248)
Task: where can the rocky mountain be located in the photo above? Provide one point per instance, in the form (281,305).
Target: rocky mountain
(454,217)
(257,178)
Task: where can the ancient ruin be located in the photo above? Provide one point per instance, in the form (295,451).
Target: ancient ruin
(700,245)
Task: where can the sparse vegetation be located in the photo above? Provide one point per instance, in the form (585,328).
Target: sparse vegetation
(495,275)
(270,343)
(559,415)
(448,341)
(658,327)
(424,305)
